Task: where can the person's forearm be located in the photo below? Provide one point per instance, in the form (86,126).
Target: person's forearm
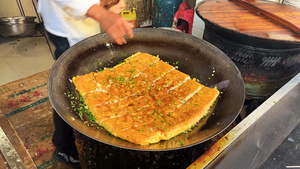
(113,24)
(98,13)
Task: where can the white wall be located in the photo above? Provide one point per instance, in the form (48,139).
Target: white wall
(10,8)
(295,3)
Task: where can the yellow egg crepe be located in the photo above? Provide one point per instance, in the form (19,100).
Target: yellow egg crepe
(144,100)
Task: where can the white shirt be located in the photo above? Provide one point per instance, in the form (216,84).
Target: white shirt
(67,18)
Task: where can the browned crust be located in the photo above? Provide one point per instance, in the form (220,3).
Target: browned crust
(152,103)
(85,83)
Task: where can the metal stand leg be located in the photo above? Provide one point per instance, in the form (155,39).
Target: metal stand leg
(20,7)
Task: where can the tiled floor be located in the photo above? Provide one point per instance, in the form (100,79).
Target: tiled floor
(21,57)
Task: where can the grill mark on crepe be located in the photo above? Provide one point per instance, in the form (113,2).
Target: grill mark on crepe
(157,70)
(142,61)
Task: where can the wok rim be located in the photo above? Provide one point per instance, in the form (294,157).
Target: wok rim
(105,36)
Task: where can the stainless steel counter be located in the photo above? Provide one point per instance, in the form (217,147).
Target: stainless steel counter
(254,139)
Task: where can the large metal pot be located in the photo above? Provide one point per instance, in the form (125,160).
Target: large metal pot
(17,19)
(196,57)
(266,65)
(265,62)
(17,26)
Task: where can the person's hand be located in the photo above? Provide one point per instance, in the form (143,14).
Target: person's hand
(115,25)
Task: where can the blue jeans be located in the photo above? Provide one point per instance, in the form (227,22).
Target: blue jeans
(63,138)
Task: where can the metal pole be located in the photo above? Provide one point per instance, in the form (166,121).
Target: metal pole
(20,7)
(43,31)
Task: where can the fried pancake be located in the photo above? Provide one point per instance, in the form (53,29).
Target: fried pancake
(168,82)
(141,60)
(85,83)
(97,98)
(139,104)
(197,106)
(138,84)
(144,100)
(105,78)
(157,69)
(126,71)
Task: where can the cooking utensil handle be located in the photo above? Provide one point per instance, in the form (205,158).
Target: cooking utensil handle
(274,18)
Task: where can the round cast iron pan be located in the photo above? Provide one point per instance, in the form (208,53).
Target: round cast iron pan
(194,56)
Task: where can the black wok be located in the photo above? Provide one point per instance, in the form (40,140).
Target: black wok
(194,56)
